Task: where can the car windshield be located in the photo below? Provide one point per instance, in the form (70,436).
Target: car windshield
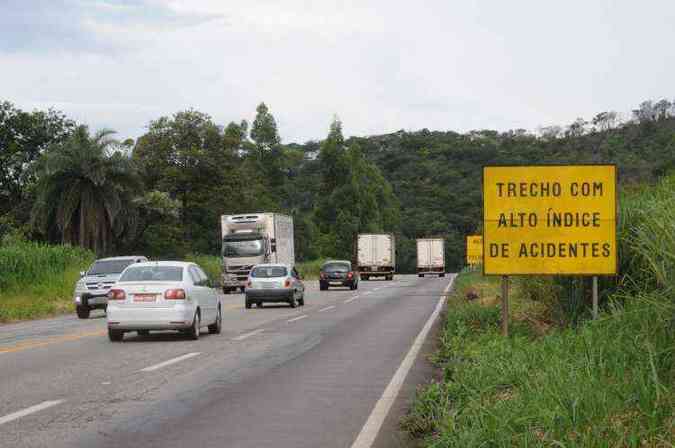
(153,274)
(109,267)
(269,272)
(245,248)
(336,267)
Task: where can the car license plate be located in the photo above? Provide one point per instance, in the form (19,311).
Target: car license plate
(145,297)
(268,285)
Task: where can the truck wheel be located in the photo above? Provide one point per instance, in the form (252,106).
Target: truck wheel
(442,275)
(115,335)
(259,304)
(389,277)
(83,311)
(247,303)
(226,290)
(420,275)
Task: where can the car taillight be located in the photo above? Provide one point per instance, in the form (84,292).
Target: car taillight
(287,283)
(350,274)
(174,294)
(117,294)
(322,274)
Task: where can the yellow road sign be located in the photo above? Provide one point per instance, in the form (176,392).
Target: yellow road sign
(474,249)
(549,220)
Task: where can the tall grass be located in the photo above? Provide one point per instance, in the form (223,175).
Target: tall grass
(211,264)
(608,382)
(38,280)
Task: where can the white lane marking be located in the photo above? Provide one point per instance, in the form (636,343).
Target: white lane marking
(297,318)
(171,361)
(31,410)
(352,299)
(327,308)
(371,428)
(241,337)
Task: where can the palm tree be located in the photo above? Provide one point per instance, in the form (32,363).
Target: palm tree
(85,191)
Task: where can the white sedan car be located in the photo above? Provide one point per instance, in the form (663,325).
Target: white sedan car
(163,295)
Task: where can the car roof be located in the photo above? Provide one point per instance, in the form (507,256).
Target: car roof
(272,265)
(336,261)
(165,263)
(125,257)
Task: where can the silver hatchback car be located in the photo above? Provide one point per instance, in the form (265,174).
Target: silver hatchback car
(274,283)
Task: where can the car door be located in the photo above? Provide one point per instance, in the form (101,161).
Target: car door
(197,291)
(210,295)
(299,285)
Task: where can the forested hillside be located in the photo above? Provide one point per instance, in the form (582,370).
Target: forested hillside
(162,194)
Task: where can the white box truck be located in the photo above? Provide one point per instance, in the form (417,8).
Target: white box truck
(431,256)
(254,238)
(376,255)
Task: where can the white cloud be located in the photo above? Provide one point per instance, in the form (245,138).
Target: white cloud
(380,65)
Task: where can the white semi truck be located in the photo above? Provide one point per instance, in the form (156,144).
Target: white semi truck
(254,238)
(376,255)
(431,256)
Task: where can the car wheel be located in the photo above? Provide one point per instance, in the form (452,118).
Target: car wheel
(248,304)
(259,304)
(292,302)
(323,286)
(420,275)
(242,289)
(226,290)
(83,311)
(115,335)
(301,300)
(365,277)
(193,332)
(442,275)
(143,332)
(217,326)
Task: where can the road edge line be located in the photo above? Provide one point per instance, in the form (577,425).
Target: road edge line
(372,427)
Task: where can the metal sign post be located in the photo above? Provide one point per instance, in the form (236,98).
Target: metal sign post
(505,305)
(595,297)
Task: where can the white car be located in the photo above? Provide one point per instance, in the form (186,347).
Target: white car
(274,283)
(163,295)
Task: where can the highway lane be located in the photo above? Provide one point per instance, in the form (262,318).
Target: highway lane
(277,376)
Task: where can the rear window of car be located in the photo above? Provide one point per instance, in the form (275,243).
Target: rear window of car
(269,271)
(153,274)
(109,266)
(336,267)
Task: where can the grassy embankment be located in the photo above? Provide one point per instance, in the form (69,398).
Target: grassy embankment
(37,280)
(561,379)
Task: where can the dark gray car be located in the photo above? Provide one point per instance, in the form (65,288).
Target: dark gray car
(338,273)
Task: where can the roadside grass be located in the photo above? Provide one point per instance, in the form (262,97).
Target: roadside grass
(561,379)
(211,264)
(607,383)
(38,280)
(309,270)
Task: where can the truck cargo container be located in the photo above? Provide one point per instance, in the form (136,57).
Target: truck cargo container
(376,255)
(431,256)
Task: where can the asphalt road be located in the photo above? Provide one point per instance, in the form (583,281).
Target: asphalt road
(276,377)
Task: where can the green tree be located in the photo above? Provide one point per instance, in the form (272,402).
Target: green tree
(24,136)
(264,130)
(85,191)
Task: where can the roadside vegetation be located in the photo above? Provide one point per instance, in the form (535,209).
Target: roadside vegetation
(561,379)
(37,280)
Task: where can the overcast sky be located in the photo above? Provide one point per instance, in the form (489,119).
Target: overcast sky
(380,66)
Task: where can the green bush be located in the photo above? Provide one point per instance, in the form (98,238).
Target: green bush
(38,279)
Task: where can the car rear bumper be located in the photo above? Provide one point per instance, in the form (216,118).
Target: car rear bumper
(269,295)
(177,317)
(87,299)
